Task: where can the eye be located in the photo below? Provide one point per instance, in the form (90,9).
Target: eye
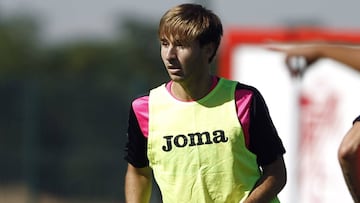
(179,44)
(164,43)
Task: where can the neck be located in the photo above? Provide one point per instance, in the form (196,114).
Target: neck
(192,91)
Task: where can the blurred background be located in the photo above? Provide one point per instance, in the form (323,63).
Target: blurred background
(68,71)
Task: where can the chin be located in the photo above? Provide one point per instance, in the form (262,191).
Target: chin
(176,78)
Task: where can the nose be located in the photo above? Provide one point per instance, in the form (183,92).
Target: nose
(171,52)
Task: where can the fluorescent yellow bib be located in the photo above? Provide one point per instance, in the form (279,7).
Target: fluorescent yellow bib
(197,149)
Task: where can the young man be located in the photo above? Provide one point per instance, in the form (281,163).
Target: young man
(205,138)
(349,150)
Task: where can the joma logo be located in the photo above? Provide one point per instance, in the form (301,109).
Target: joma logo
(194,139)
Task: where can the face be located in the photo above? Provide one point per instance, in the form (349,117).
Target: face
(185,62)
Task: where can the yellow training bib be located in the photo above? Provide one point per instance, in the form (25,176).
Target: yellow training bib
(197,149)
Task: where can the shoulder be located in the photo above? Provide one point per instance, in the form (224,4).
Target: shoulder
(357,119)
(240,86)
(248,91)
(140,102)
(244,87)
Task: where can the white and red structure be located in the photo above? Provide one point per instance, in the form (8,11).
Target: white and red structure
(312,113)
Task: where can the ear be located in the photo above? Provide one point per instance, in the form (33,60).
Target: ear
(209,50)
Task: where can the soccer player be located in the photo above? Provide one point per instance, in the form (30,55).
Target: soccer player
(205,138)
(349,149)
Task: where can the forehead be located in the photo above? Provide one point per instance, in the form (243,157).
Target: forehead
(193,44)
(177,32)
(178,39)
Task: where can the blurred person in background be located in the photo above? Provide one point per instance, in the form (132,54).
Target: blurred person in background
(205,138)
(349,149)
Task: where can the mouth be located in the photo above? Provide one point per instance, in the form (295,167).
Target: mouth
(173,69)
(172,66)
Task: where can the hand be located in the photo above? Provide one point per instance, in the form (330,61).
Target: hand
(298,57)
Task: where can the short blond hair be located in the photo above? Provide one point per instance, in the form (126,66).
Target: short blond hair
(188,22)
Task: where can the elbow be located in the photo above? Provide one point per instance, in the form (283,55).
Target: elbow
(348,153)
(277,172)
(349,149)
(282,175)
(283,178)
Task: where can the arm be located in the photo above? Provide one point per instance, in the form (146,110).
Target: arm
(270,184)
(347,55)
(344,54)
(266,144)
(138,184)
(349,158)
(138,178)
